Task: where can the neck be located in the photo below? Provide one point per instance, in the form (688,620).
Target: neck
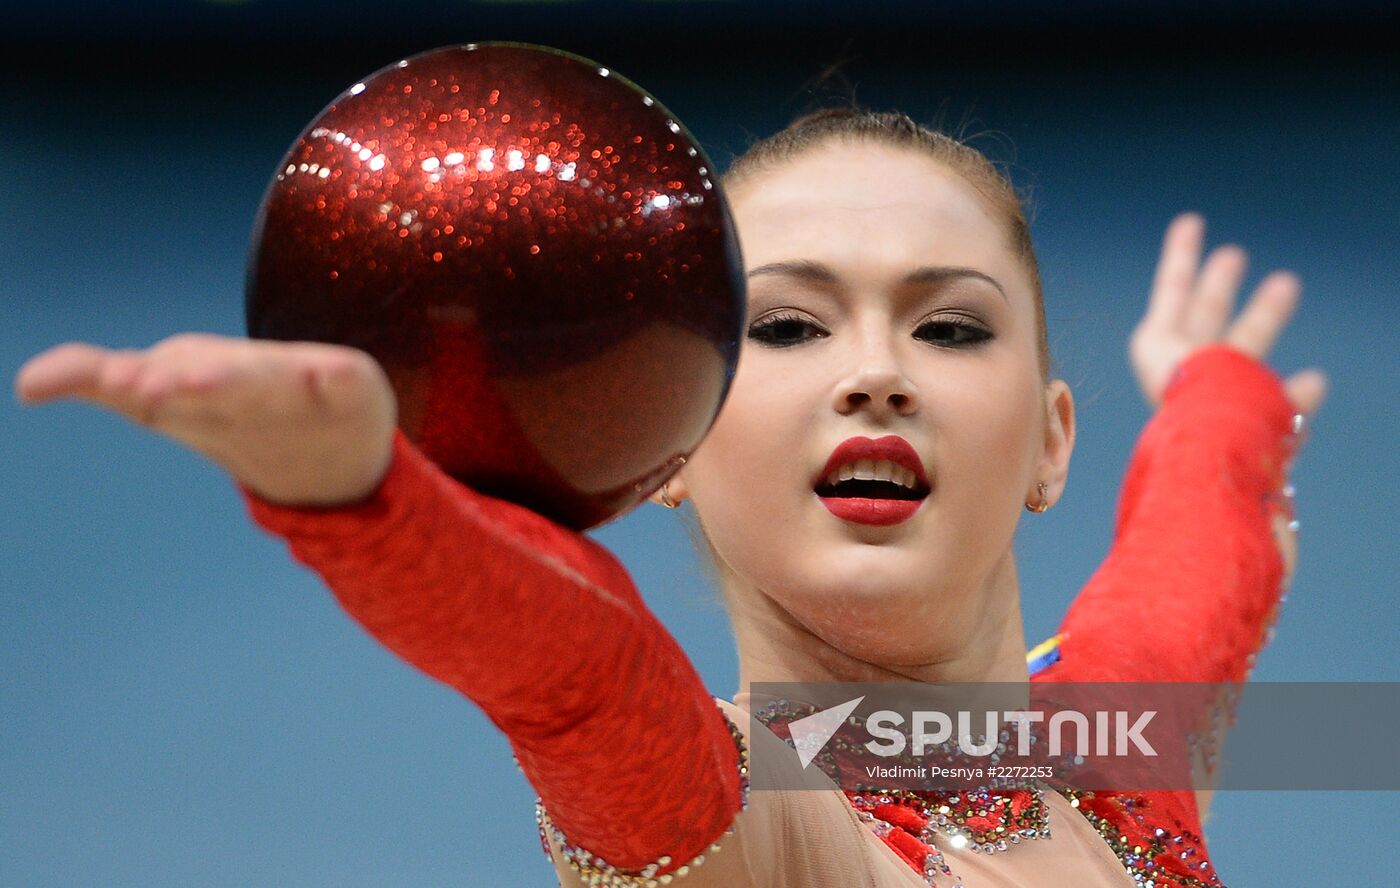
(986,644)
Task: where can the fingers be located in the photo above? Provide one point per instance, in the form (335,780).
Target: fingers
(1211,305)
(67,370)
(1269,310)
(173,378)
(1307,389)
(141,385)
(1192,306)
(116,379)
(1176,269)
(201,376)
(195,379)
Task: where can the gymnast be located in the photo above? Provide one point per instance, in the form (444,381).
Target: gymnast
(892,415)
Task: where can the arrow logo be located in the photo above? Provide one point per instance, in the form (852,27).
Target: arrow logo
(811,733)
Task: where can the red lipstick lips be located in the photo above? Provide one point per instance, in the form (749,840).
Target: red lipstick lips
(891,447)
(869,510)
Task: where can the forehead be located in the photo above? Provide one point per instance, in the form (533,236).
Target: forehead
(867,209)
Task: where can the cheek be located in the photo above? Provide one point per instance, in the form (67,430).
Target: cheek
(990,432)
(753,435)
(744,475)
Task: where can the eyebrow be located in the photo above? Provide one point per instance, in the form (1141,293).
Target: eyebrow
(816,272)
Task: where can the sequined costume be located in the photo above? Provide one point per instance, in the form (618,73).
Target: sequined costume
(642,774)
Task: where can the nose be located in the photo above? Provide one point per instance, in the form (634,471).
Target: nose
(877,383)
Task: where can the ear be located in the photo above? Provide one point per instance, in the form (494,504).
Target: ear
(675,489)
(1059,440)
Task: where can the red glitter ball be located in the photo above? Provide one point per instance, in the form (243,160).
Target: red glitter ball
(536,252)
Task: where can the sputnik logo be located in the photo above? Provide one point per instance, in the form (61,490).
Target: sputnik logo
(811,733)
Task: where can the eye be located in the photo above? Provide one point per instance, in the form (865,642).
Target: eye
(959,334)
(782,330)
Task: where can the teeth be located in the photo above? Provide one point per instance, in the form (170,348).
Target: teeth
(872,470)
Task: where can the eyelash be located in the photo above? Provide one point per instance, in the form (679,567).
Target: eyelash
(761,330)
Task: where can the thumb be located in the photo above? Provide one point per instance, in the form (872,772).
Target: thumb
(1307,389)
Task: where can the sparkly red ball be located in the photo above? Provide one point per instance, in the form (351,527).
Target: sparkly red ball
(535,251)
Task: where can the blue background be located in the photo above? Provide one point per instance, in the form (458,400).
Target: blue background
(183,704)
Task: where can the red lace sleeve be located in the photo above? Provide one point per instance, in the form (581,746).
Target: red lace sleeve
(543,628)
(1193,579)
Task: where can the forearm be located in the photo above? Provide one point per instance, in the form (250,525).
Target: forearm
(544,629)
(1194,573)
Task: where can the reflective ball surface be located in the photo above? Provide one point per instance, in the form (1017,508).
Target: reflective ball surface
(535,251)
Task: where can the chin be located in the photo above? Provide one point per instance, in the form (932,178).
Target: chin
(872,581)
(886,639)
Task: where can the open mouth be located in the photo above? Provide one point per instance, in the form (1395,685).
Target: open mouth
(871,489)
(879,481)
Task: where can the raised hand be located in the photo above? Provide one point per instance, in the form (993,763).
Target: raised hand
(298,423)
(1191,306)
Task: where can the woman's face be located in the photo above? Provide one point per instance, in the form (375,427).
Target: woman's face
(884,300)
